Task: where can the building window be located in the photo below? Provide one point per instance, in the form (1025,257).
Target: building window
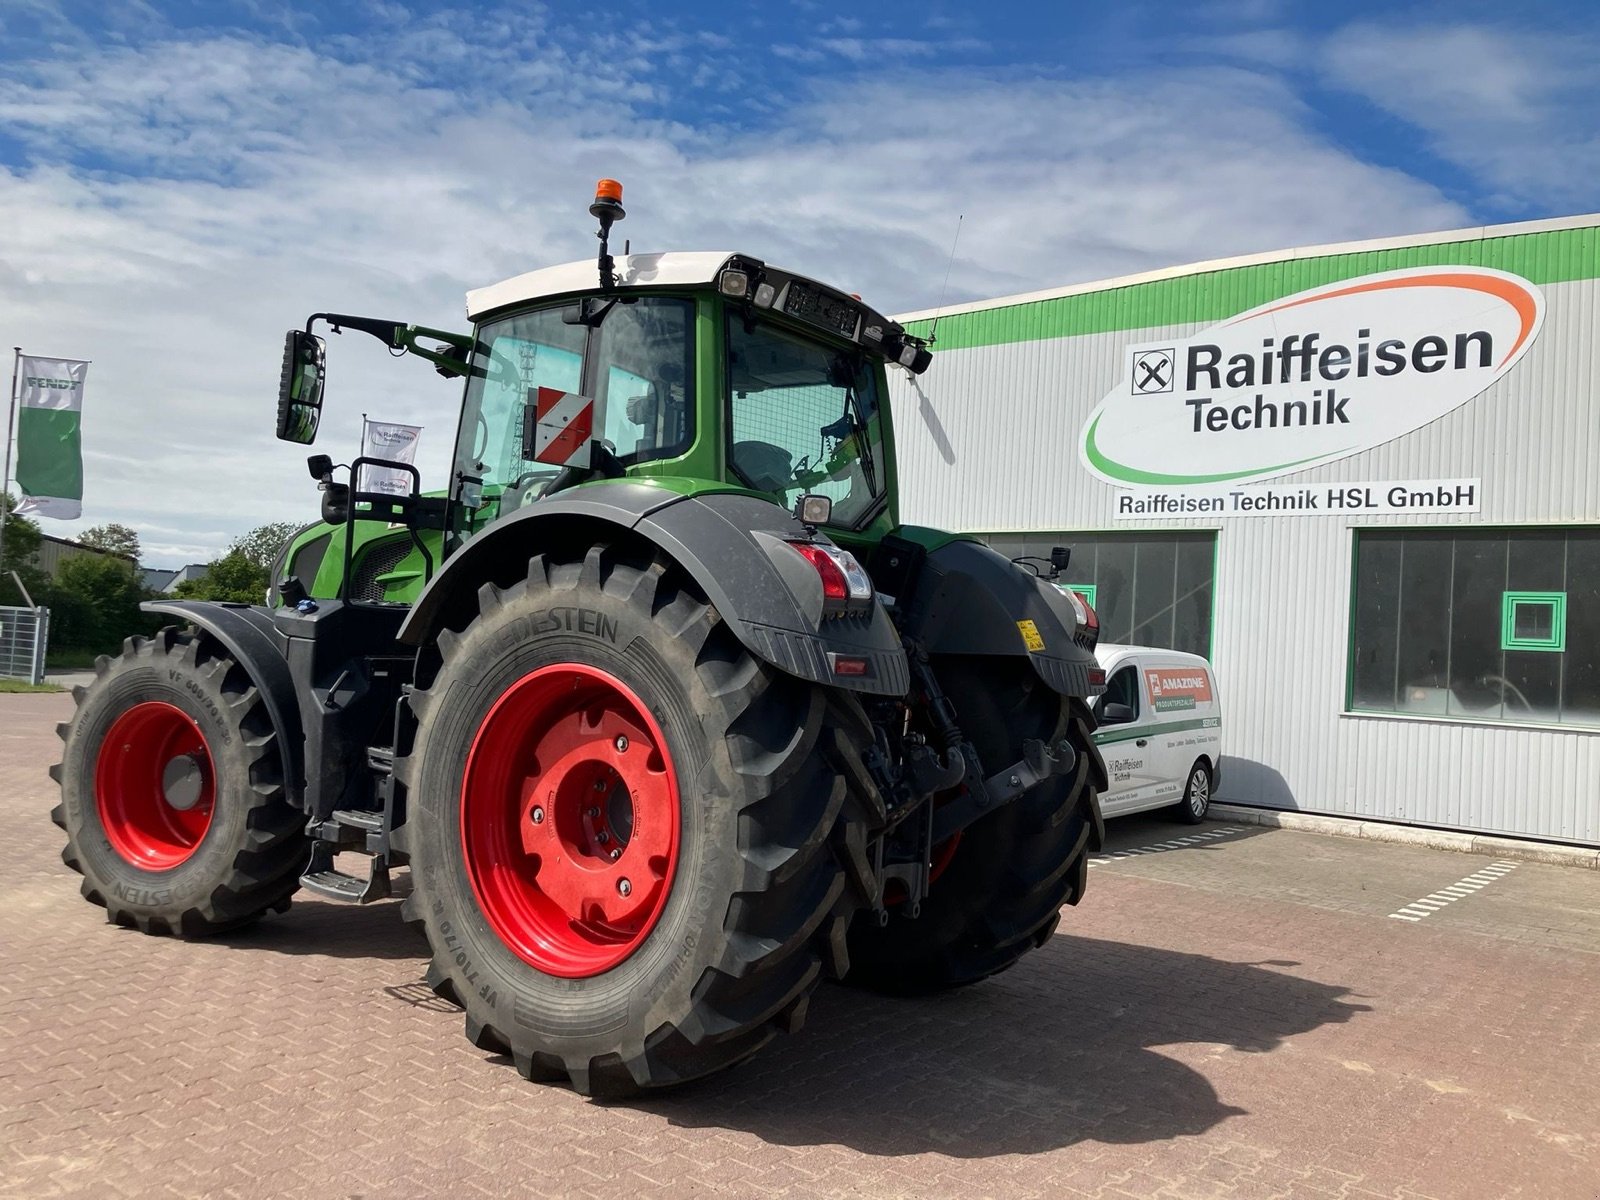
(1492,624)
(1148,589)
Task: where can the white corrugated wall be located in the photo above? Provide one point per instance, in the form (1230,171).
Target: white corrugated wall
(987,441)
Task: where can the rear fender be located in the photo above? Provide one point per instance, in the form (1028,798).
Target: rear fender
(731,544)
(247,634)
(967,598)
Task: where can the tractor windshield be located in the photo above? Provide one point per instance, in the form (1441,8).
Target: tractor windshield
(804,418)
(635,365)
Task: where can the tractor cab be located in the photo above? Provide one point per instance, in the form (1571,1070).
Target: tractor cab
(700,371)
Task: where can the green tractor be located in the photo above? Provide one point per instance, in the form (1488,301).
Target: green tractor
(664,711)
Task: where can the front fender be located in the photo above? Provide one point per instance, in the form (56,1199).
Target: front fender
(730,543)
(246,632)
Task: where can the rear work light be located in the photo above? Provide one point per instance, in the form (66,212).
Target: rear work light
(846,587)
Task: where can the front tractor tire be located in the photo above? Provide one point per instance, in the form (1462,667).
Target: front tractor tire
(620,828)
(172,792)
(998,886)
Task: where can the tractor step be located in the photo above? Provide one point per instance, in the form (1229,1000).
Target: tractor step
(323,878)
(359,818)
(350,828)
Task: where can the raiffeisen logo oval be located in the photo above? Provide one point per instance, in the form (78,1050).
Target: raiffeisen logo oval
(1311,378)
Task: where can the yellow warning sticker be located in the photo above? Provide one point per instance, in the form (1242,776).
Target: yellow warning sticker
(1030,635)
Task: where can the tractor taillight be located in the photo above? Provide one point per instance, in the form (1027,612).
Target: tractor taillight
(846,586)
(1082,609)
(834,585)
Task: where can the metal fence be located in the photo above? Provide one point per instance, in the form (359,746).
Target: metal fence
(24,633)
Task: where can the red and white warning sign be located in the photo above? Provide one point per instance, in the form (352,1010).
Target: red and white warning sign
(563,425)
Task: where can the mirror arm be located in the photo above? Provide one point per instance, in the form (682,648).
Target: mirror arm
(450,361)
(385,331)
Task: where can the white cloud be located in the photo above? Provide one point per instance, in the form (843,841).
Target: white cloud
(193,200)
(1514,107)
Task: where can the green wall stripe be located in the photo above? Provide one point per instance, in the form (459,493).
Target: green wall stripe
(1556,256)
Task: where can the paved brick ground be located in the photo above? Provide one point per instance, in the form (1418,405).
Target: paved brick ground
(1236,1018)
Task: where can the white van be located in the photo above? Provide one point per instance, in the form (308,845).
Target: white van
(1160,731)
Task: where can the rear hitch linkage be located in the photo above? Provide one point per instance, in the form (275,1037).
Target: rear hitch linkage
(909,786)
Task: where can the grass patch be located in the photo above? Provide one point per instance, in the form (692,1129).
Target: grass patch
(20,685)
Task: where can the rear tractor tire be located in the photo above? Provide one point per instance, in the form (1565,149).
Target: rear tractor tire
(621,828)
(172,792)
(997,887)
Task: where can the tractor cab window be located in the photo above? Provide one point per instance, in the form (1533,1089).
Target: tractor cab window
(634,364)
(803,417)
(643,365)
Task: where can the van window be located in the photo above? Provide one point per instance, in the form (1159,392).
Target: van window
(1123,688)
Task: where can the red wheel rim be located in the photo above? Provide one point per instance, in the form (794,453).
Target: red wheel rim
(155,786)
(569,818)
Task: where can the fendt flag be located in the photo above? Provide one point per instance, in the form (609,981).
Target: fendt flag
(49,440)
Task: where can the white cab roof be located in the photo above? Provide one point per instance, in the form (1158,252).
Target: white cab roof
(687,268)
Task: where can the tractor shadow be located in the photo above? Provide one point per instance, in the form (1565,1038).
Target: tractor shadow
(329,929)
(1059,1050)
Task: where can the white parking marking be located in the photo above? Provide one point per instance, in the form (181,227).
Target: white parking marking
(1468,886)
(1161,847)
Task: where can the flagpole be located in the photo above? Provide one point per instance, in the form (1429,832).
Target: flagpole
(11,416)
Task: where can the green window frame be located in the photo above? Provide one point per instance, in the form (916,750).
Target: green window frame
(1556,605)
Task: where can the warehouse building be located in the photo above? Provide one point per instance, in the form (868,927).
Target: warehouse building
(1364,479)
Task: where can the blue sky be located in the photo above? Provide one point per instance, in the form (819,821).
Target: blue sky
(182,181)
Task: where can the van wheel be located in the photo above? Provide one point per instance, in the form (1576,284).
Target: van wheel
(1196,800)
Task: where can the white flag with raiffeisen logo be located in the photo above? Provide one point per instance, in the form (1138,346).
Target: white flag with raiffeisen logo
(49,440)
(397,443)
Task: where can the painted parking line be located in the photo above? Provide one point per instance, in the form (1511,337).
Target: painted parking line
(1193,839)
(1434,901)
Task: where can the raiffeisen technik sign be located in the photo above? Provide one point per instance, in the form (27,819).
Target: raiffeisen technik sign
(1310,378)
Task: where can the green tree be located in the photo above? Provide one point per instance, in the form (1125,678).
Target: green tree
(232,577)
(21,543)
(261,545)
(94,603)
(242,573)
(119,539)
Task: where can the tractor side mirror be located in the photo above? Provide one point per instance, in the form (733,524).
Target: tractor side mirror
(300,388)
